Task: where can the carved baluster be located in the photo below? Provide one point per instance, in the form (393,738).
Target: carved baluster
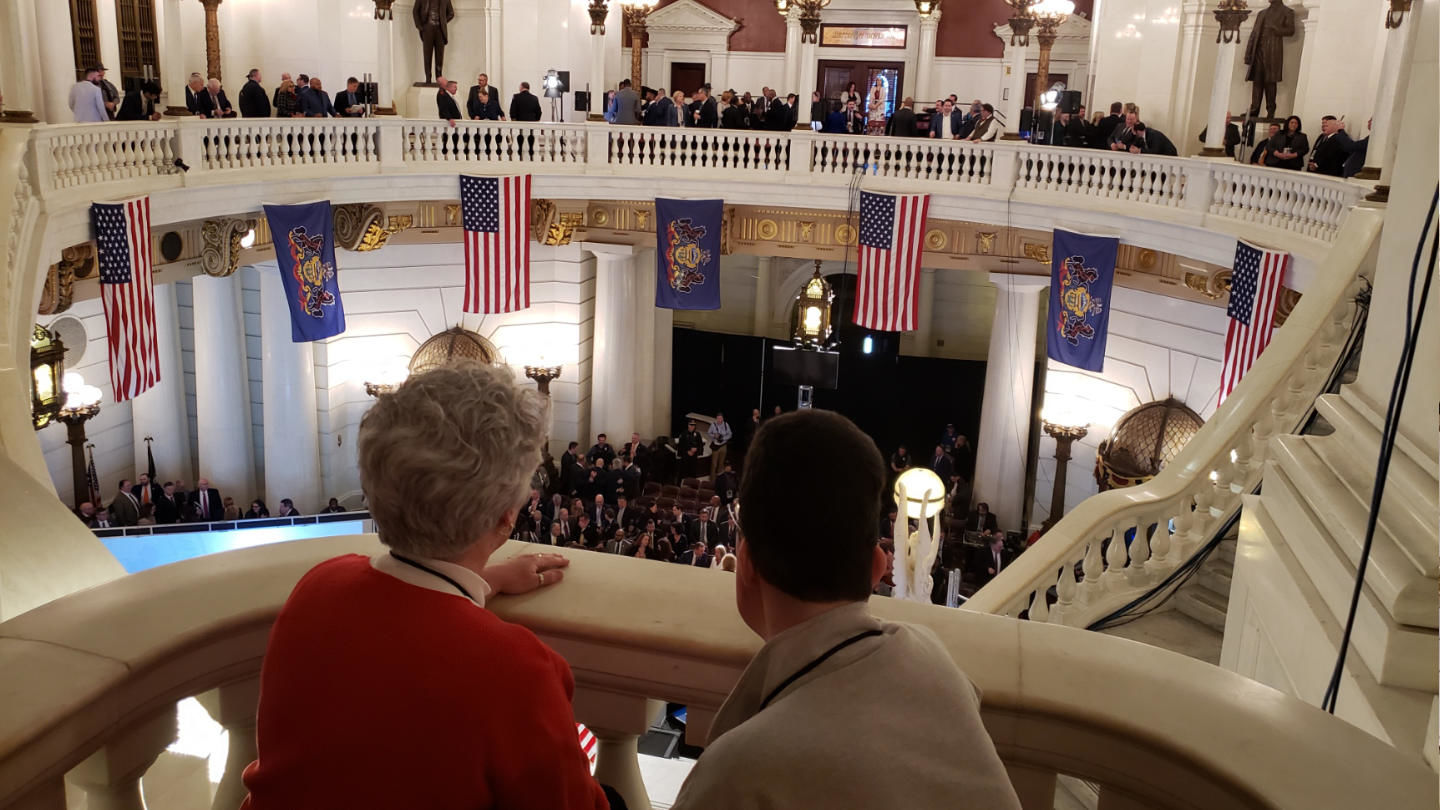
(110,777)
(1116,554)
(233,706)
(1160,543)
(1065,588)
(1094,565)
(1039,604)
(1138,573)
(617,721)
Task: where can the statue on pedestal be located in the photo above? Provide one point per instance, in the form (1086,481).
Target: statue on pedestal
(1265,54)
(431,18)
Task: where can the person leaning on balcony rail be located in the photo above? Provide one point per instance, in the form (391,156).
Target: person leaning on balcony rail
(253,101)
(287,102)
(839,708)
(316,103)
(139,103)
(87,101)
(386,682)
(1287,149)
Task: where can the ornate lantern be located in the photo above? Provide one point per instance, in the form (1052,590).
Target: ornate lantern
(810,319)
(47,373)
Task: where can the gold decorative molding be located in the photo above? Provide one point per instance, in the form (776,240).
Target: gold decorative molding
(845,234)
(1286,305)
(376,236)
(935,239)
(1213,286)
(76,261)
(353,222)
(985,242)
(561,231)
(768,229)
(220,246)
(642,218)
(807,231)
(543,214)
(1146,259)
(597,216)
(1037,252)
(452,215)
(727,230)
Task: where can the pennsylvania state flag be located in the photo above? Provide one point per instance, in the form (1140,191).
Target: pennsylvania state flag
(304,237)
(1082,273)
(687,253)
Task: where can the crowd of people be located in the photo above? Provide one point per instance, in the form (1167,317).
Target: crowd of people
(148,503)
(1333,153)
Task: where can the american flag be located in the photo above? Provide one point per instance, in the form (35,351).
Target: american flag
(122,240)
(496,213)
(892,229)
(588,744)
(1254,291)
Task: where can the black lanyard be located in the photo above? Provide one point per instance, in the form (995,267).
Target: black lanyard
(427,569)
(808,668)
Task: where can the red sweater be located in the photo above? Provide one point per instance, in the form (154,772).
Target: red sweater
(378,694)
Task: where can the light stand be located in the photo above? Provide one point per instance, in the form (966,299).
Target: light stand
(81,405)
(919,496)
(1064,436)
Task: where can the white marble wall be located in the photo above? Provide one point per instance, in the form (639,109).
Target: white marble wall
(1158,347)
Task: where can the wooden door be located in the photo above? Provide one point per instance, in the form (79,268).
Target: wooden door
(837,74)
(138,42)
(686,76)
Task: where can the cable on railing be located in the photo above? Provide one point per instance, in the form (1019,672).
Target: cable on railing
(1178,578)
(1414,316)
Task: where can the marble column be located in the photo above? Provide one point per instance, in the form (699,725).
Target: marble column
(1015,58)
(1005,413)
(160,411)
(20,64)
(925,60)
(292,430)
(494,46)
(57,61)
(807,82)
(175,74)
(1309,52)
(1225,57)
(597,72)
(222,388)
(614,381)
(924,334)
(212,38)
(385,69)
(644,341)
(792,54)
(1386,117)
(1196,48)
(764,284)
(664,356)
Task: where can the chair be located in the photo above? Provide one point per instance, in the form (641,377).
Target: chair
(665,503)
(691,483)
(706,493)
(689,494)
(651,489)
(670,491)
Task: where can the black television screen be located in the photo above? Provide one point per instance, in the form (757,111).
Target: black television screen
(792,366)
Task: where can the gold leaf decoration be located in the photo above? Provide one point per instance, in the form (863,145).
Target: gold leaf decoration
(935,239)
(1038,252)
(986,242)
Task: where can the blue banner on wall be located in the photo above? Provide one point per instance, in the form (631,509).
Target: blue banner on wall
(1082,273)
(687,253)
(304,237)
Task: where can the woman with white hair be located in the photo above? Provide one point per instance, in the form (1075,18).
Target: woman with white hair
(386,682)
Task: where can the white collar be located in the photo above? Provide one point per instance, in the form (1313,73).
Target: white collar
(479,589)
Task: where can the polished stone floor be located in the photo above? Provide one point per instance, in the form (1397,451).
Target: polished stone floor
(1174,631)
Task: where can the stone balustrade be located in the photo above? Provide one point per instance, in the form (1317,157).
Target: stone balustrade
(1118,545)
(92,680)
(1193,191)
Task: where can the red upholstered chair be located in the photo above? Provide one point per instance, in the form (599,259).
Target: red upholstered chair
(670,491)
(652,489)
(690,483)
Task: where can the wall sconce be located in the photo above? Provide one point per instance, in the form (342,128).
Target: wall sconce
(810,319)
(47,373)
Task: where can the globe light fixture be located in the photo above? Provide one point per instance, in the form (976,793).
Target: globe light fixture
(1049,15)
(919,496)
(47,371)
(810,319)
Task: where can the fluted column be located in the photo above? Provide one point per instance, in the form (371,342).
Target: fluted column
(494,47)
(1230,15)
(20,64)
(614,383)
(792,53)
(233,706)
(212,38)
(764,270)
(925,61)
(176,74)
(160,411)
(110,777)
(57,61)
(1005,412)
(385,47)
(222,388)
(292,431)
(597,60)
(1385,120)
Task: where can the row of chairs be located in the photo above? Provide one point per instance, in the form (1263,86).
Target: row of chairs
(690,489)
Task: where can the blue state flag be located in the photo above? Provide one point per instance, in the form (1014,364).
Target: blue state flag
(687,253)
(304,237)
(1082,273)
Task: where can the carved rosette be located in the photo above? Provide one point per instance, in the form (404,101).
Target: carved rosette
(353,221)
(543,214)
(220,246)
(1230,14)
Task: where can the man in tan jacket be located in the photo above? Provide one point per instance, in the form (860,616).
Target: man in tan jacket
(838,709)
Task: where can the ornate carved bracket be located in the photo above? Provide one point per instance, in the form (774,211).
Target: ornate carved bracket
(599,10)
(382,10)
(1230,15)
(543,214)
(220,246)
(1214,286)
(76,261)
(363,227)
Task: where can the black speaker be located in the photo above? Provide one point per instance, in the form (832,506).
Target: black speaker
(1044,122)
(1027,121)
(1069,102)
(582,101)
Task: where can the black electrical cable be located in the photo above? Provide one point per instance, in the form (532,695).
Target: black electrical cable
(1184,572)
(1414,316)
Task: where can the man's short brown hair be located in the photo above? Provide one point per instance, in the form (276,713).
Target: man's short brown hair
(810,505)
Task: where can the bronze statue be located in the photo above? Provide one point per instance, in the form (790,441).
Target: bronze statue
(1265,53)
(431,18)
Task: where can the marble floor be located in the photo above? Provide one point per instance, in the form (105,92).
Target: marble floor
(1174,631)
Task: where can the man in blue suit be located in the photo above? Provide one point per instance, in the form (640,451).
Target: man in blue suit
(661,111)
(947,122)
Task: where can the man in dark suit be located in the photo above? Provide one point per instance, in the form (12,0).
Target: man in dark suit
(254,103)
(445,101)
(569,468)
(947,122)
(524,106)
(1100,134)
(194,87)
(704,112)
(587,532)
(212,103)
(692,446)
(981,520)
(601,449)
(993,559)
(146,492)
(632,478)
(696,555)
(348,103)
(854,120)
(1151,142)
(596,513)
(1232,135)
(315,103)
(489,108)
(205,503)
(626,516)
(139,104)
(661,111)
(903,124)
(727,484)
(835,121)
(703,530)
(168,507)
(942,465)
(1332,148)
(125,509)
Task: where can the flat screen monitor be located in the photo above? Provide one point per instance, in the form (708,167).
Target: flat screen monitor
(792,366)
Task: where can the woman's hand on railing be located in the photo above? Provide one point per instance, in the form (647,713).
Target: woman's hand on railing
(526,573)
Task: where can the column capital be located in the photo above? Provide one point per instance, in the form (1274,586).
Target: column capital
(609,252)
(930,21)
(1019,283)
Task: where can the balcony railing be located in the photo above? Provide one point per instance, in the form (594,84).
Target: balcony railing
(1117,545)
(92,680)
(1188,191)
